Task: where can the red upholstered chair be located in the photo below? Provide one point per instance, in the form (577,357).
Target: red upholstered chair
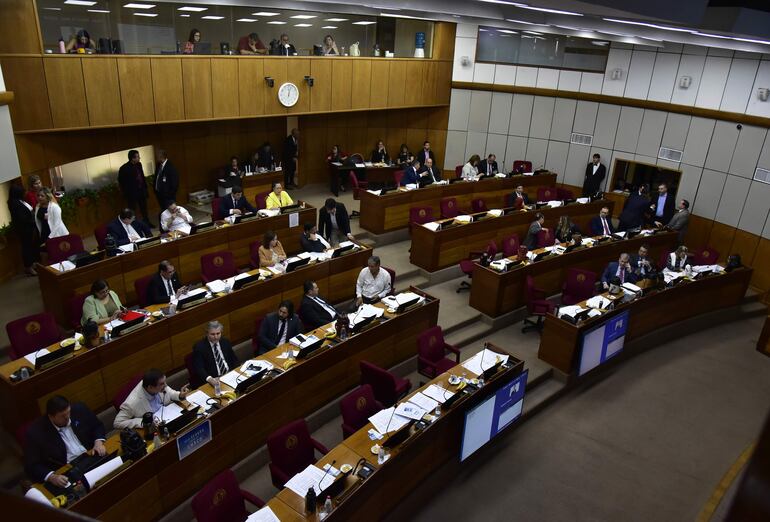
(254,253)
(479,205)
(75,309)
(223,499)
(545,238)
(705,256)
(392,279)
(356,408)
(100,233)
(397,175)
(123,393)
(192,377)
(511,245)
(663,261)
(291,450)
(356,187)
(140,287)
(255,337)
(60,248)
(29,334)
(579,285)
(420,215)
(432,351)
(537,305)
(387,387)
(458,171)
(522,166)
(21,434)
(216,209)
(467,265)
(546,194)
(562,194)
(449,208)
(260,200)
(217,265)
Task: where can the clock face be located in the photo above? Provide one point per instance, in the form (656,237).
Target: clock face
(288,94)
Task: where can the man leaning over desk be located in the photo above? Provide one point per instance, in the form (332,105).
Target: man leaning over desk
(373,283)
(149,395)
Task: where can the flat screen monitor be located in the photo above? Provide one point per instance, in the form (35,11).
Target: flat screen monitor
(495,413)
(602,342)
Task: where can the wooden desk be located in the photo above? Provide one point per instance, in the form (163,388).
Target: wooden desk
(257,183)
(433,251)
(494,293)
(409,463)
(57,288)
(159,482)
(560,342)
(380,214)
(380,174)
(94,376)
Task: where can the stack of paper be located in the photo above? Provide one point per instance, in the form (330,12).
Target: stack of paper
(411,186)
(64,266)
(216,286)
(169,412)
(594,313)
(495,212)
(410,411)
(405,297)
(265,212)
(598,301)
(528,173)
(437,393)
(631,289)
(126,248)
(431,226)
(347,244)
(375,192)
(311,477)
(554,203)
(423,401)
(484,360)
(500,264)
(364,312)
(278,269)
(198,398)
(303,340)
(500,175)
(263,515)
(386,421)
(670,275)
(570,311)
(463,219)
(99,472)
(248,366)
(231,378)
(32,357)
(336,163)
(583,200)
(361,165)
(588,241)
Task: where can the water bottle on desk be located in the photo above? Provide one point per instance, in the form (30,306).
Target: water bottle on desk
(327,508)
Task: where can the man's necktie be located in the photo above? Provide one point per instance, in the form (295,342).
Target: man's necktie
(169,288)
(622,275)
(606,228)
(281,330)
(221,364)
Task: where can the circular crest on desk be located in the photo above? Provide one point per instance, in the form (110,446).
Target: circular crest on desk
(218,261)
(32,327)
(291,442)
(450,203)
(361,403)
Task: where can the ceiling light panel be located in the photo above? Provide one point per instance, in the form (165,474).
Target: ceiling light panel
(148,15)
(303,17)
(193,9)
(80,2)
(364,23)
(212,17)
(265,13)
(139,6)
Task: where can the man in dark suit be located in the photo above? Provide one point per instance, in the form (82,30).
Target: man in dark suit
(530,241)
(425,153)
(411,175)
(213,356)
(164,284)
(285,48)
(516,194)
(58,437)
(126,229)
(235,204)
(663,207)
(166,180)
(334,222)
(679,221)
(278,327)
(595,172)
(312,241)
(290,154)
(488,167)
(266,158)
(428,174)
(133,185)
(620,269)
(641,263)
(315,311)
(601,225)
(633,215)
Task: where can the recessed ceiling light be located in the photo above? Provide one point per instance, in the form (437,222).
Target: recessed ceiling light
(212,17)
(644,24)
(52,8)
(139,6)
(364,22)
(600,43)
(193,9)
(303,17)
(329,27)
(184,16)
(390,15)
(303,25)
(523,22)
(97,10)
(532,32)
(277,22)
(149,15)
(507,31)
(80,2)
(265,13)
(336,19)
(246,20)
(546,10)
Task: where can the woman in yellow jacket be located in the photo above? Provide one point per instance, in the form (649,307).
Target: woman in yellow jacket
(278,197)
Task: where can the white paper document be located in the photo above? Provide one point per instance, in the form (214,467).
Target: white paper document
(263,515)
(495,212)
(486,358)
(98,473)
(555,203)
(169,412)
(423,401)
(286,355)
(268,212)
(303,340)
(375,192)
(127,248)
(432,226)
(336,163)
(411,186)
(64,266)
(410,411)
(386,421)
(463,219)
(198,398)
(631,289)
(294,219)
(437,393)
(32,357)
(598,301)
(217,286)
(364,312)
(570,311)
(259,363)
(231,378)
(311,477)
(583,200)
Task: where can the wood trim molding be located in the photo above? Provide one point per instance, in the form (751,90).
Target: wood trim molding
(735,117)
(6,97)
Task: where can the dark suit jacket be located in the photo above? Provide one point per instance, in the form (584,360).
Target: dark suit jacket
(633,211)
(313,314)
(156,289)
(203,358)
(483,167)
(637,270)
(311,246)
(266,158)
(115,229)
(596,228)
(593,182)
(421,156)
(530,241)
(23,219)
(668,209)
(166,182)
(268,332)
(410,177)
(425,180)
(325,221)
(380,157)
(289,150)
(280,50)
(227,205)
(128,182)
(612,269)
(511,201)
(45,451)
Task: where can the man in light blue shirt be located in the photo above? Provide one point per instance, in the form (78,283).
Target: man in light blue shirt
(664,205)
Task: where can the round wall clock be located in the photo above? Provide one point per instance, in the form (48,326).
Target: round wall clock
(288,94)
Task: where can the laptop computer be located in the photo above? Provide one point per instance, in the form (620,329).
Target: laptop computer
(478,216)
(86,258)
(289,208)
(249,382)
(306,351)
(404,306)
(85,462)
(572,247)
(455,180)
(452,399)
(342,250)
(443,225)
(293,265)
(53,358)
(491,371)
(181,422)
(245,281)
(134,320)
(362,324)
(399,436)
(540,256)
(244,217)
(200,227)
(202,48)
(147,242)
(191,300)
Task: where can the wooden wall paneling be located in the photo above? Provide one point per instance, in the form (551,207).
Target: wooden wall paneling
(429,84)
(761,277)
(415,82)
(196,83)
(31,154)
(397,83)
(342,80)
(26,78)
(103,95)
(321,93)
(745,245)
(135,76)
(251,87)
(721,238)
(443,41)
(276,69)
(167,89)
(361,95)
(19,22)
(296,71)
(379,91)
(412,118)
(698,231)
(67,93)
(443,83)
(224,88)
(437,140)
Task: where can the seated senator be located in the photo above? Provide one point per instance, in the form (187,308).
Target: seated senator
(519,194)
(677,260)
(149,396)
(164,284)
(235,204)
(411,174)
(641,263)
(312,241)
(380,153)
(176,219)
(620,269)
(278,197)
(126,228)
(470,170)
(278,327)
(315,311)
(405,158)
(601,225)
(213,356)
(102,306)
(271,250)
(428,174)
(373,283)
(565,229)
(65,432)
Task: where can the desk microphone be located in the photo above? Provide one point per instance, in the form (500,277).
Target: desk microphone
(483,353)
(387,427)
(320,489)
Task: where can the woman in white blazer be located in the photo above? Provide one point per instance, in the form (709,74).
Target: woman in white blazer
(48,216)
(471,169)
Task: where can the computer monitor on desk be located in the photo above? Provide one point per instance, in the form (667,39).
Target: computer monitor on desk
(290,208)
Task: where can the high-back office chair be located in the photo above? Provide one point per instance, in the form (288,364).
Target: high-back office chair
(544,238)
(546,194)
(291,450)
(192,376)
(522,166)
(511,245)
(432,350)
(75,309)
(467,265)
(397,175)
(260,200)
(255,337)
(563,194)
(60,248)
(420,215)
(458,171)
(140,287)
(31,333)
(449,208)
(217,265)
(392,279)
(387,387)
(100,234)
(216,209)
(537,305)
(254,253)
(356,408)
(479,205)
(122,394)
(356,186)
(705,256)
(579,285)
(223,499)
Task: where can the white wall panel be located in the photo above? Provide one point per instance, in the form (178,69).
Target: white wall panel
(526,76)
(576,163)
(477,142)
(547,78)
(484,73)
(496,145)
(739,84)
(516,149)
(651,133)
(732,200)
(675,133)
(591,82)
(455,149)
(478,118)
(616,59)
(459,108)
(712,83)
(542,114)
(585,117)
(643,158)
(764,156)
(629,126)
(505,75)
(563,117)
(756,106)
(710,189)
(688,183)
(692,66)
(663,77)
(521,114)
(717,51)
(606,125)
(639,75)
(698,140)
(722,146)
(695,49)
(536,150)
(569,81)
(467,30)
(756,209)
(747,151)
(500,115)
(556,159)
(464,47)
(766,231)
(671,47)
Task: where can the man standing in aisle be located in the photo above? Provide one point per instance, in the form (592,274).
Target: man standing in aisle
(133,185)
(595,172)
(166,179)
(290,155)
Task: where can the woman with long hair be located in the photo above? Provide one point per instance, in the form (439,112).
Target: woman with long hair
(48,216)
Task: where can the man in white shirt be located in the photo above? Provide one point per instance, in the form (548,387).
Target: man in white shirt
(176,219)
(373,283)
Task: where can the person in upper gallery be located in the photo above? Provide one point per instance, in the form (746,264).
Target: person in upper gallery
(266,158)
(334,222)
(380,153)
(166,179)
(405,157)
(235,204)
(290,155)
(518,193)
(126,229)
(471,169)
(149,395)
(34,185)
(330,46)
(663,207)
(536,226)
(677,260)
(213,356)
(601,225)
(595,172)
(641,263)
(634,210)
(565,229)
(251,44)
(176,219)
(337,156)
(278,327)
(620,269)
(285,48)
(164,284)
(271,250)
(192,40)
(278,197)
(678,221)
(48,216)
(428,174)
(134,185)
(62,434)
(314,310)
(312,241)
(23,226)
(425,152)
(373,283)
(411,175)
(82,40)
(488,167)
(233,170)
(102,305)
